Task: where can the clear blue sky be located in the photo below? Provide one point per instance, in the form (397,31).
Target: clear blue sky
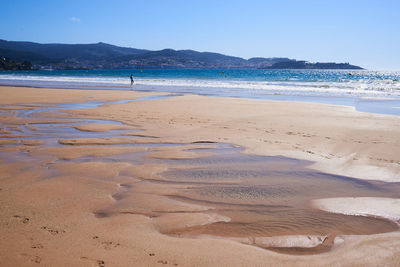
(365,33)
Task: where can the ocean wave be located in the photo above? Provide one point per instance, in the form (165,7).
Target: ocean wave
(357,87)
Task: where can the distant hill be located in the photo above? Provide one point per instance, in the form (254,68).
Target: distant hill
(293,64)
(106,56)
(169,58)
(102,56)
(9,64)
(260,62)
(24,55)
(72,51)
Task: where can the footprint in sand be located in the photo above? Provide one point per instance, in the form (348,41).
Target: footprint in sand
(52,231)
(23,219)
(36,259)
(100,263)
(32,258)
(37,246)
(162,261)
(107,244)
(165,262)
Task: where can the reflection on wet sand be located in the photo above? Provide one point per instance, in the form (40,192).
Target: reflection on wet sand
(200,189)
(269,196)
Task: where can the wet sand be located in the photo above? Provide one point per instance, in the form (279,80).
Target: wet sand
(189,180)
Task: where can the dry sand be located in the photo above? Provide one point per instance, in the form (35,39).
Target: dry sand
(362,206)
(58,212)
(339,139)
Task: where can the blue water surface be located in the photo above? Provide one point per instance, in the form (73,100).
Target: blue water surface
(366,90)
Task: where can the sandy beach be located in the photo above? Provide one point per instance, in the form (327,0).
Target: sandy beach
(191,180)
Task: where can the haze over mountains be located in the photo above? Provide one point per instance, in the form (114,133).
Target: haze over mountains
(106,56)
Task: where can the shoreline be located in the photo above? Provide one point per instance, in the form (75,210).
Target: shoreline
(386,105)
(346,163)
(262,128)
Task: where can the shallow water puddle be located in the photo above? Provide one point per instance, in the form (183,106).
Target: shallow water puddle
(230,194)
(269,196)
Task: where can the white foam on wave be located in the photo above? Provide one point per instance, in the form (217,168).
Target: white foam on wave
(380,88)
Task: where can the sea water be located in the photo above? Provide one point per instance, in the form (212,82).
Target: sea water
(371,91)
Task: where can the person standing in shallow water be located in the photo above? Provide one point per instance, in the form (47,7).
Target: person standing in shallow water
(132,80)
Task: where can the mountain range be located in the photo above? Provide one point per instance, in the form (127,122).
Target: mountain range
(107,56)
